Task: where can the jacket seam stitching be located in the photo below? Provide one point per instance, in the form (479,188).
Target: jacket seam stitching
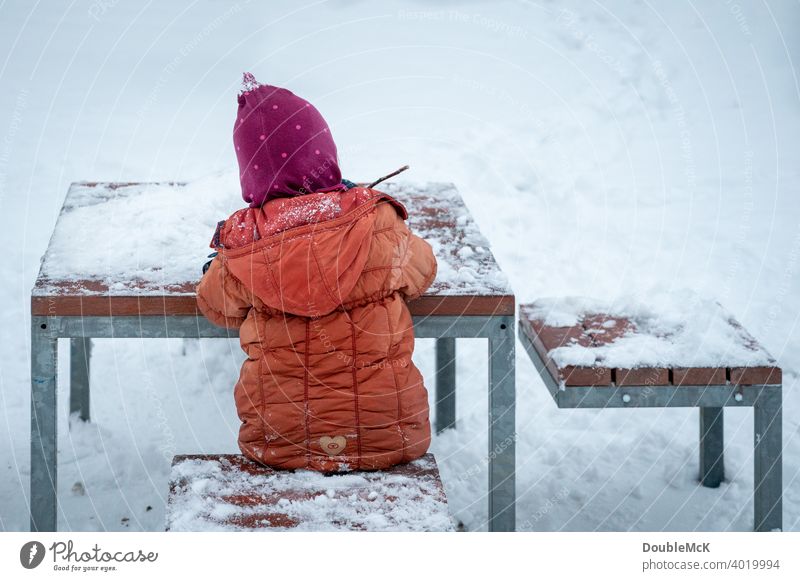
(305,393)
(262,408)
(382,267)
(404,259)
(271,274)
(323,276)
(241,288)
(378,296)
(426,283)
(396,388)
(355,393)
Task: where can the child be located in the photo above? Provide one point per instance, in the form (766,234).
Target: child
(315,274)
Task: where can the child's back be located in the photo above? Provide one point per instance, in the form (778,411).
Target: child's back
(317,284)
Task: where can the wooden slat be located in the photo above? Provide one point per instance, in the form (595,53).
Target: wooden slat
(595,331)
(555,337)
(463,305)
(756,375)
(582,376)
(604,329)
(186,305)
(251,496)
(643,376)
(571,376)
(699,376)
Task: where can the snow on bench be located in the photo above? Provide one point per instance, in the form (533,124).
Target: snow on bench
(227,492)
(675,350)
(673,339)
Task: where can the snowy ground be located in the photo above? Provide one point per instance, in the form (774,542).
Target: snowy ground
(604,148)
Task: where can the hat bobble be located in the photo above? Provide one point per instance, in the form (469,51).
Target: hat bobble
(249,83)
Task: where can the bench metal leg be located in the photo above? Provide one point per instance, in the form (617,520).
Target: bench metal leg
(768,474)
(44,383)
(79,358)
(712,462)
(445,384)
(502,426)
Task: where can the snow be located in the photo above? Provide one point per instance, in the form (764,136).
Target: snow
(317,210)
(605,149)
(438,215)
(115,242)
(161,232)
(369,501)
(671,329)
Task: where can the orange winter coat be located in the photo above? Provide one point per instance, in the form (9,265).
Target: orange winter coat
(317,285)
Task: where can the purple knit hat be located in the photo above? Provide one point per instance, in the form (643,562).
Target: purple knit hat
(283,145)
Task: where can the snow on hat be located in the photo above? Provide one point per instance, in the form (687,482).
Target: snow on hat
(283,145)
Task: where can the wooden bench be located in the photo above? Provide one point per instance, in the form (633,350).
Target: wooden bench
(587,358)
(227,492)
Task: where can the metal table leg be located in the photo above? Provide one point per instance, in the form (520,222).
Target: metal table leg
(502,426)
(712,462)
(44,467)
(445,384)
(768,474)
(79,356)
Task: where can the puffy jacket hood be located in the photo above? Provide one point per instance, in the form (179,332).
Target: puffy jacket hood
(302,255)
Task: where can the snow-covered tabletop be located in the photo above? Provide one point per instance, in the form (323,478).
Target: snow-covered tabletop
(674,338)
(228,493)
(138,249)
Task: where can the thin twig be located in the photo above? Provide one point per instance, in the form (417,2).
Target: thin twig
(387,176)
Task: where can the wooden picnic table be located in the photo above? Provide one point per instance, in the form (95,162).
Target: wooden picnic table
(604,360)
(117,268)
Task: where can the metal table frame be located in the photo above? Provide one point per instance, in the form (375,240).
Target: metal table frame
(46,330)
(766,401)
